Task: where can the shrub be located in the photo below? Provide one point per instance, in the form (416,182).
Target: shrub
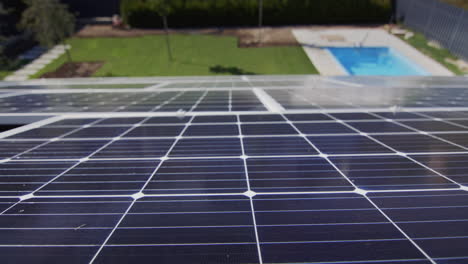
(202,13)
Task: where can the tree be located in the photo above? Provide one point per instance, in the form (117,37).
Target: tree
(49,21)
(260,20)
(164,9)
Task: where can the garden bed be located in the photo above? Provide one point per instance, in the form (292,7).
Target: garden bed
(75,69)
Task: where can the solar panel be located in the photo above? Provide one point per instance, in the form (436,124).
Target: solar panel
(257,169)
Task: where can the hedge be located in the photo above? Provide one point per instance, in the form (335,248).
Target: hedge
(219,13)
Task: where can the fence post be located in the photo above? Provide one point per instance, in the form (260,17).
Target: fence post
(455,31)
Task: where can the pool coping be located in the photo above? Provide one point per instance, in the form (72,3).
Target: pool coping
(315,44)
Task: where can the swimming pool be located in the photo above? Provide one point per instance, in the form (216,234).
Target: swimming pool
(375,61)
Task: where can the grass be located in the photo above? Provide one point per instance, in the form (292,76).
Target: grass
(420,42)
(193,55)
(4,74)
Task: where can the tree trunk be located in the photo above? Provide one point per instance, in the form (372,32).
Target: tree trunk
(67,51)
(168,42)
(260,20)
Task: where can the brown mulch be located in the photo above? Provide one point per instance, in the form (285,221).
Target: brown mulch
(75,69)
(248,37)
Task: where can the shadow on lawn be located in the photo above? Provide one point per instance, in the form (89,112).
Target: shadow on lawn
(231,70)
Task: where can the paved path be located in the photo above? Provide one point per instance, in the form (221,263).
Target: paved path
(37,64)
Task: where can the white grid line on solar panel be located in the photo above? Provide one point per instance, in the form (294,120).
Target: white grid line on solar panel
(362,192)
(233,194)
(81,160)
(138,195)
(233,136)
(426,133)
(93,104)
(395,121)
(447,121)
(309,103)
(235,156)
(400,153)
(249,192)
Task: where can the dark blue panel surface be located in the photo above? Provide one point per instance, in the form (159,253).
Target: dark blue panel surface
(74,122)
(457,138)
(353,116)
(102,177)
(121,121)
(417,143)
(324,128)
(436,221)
(44,132)
(399,115)
(207,230)
(267,146)
(295,175)
(58,231)
(389,173)
(129,148)
(155,131)
(20,178)
(335,228)
(10,148)
(307,117)
(168,119)
(433,126)
(215,119)
(268,129)
(347,145)
(199,176)
(453,166)
(380,127)
(207,147)
(261,118)
(211,130)
(99,132)
(6,203)
(65,149)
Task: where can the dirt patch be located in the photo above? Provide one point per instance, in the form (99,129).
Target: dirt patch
(247,37)
(75,69)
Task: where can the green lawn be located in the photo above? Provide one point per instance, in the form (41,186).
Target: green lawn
(4,74)
(420,42)
(193,55)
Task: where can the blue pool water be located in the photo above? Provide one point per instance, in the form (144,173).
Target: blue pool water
(375,61)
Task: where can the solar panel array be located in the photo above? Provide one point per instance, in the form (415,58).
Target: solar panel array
(235,175)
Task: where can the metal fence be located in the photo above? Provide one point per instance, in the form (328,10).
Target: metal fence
(444,23)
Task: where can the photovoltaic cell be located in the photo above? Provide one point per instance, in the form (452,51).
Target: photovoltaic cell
(21,178)
(43,132)
(295,175)
(102,177)
(212,147)
(417,143)
(98,132)
(337,228)
(155,131)
(185,230)
(51,231)
(454,167)
(268,146)
(129,148)
(324,128)
(211,130)
(389,173)
(347,145)
(65,149)
(268,129)
(380,127)
(199,176)
(436,221)
(11,148)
